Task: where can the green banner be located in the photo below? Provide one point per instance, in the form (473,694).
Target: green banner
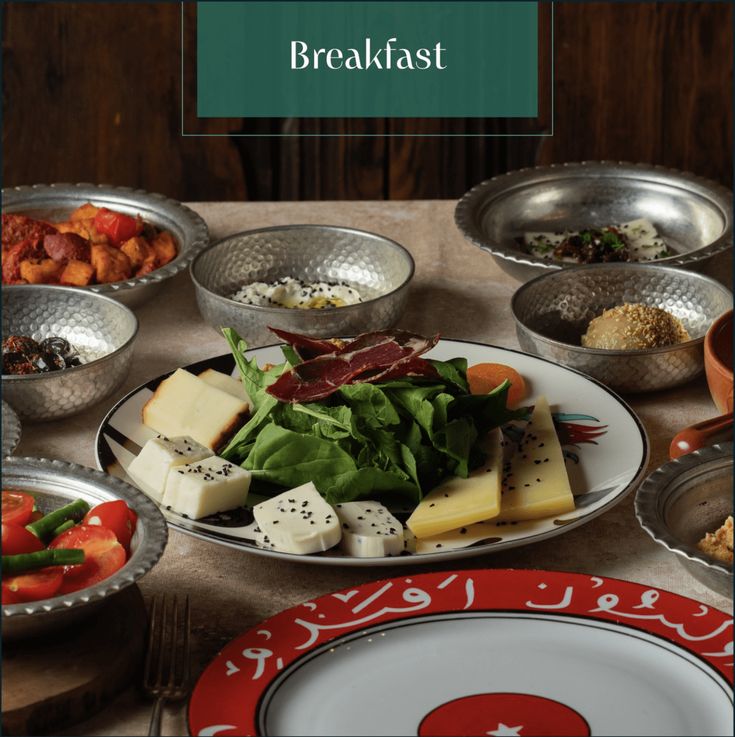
(367,59)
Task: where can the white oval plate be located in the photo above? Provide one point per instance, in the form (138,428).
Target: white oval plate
(606,462)
(480,652)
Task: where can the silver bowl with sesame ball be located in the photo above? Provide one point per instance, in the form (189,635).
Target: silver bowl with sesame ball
(553,313)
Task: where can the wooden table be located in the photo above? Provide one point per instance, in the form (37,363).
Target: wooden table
(457,291)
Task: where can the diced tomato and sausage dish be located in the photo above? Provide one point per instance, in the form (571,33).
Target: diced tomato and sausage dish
(95,245)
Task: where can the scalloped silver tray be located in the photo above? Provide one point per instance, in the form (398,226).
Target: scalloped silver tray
(56,201)
(682,500)
(53,484)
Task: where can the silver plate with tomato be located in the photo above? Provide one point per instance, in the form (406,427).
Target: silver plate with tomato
(52,485)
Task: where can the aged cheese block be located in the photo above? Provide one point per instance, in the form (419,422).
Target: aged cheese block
(184,404)
(459,502)
(226,383)
(536,483)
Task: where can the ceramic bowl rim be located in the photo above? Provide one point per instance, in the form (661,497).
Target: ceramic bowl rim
(708,343)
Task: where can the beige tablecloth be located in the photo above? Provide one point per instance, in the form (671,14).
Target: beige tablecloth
(459,292)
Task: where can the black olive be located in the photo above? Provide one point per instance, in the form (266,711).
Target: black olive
(58,345)
(48,361)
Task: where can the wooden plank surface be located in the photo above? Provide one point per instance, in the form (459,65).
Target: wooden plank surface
(92,93)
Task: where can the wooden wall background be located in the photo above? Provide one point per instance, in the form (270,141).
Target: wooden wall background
(91,92)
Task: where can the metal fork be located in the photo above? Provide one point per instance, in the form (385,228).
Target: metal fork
(166,675)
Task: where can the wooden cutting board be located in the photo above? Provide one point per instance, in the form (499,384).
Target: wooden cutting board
(55,680)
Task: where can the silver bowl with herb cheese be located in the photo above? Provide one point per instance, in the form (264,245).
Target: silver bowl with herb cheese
(521,218)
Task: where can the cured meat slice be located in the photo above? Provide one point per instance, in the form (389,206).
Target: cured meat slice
(371,353)
(414,366)
(305,346)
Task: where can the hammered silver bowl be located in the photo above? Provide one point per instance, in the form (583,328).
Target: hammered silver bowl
(11,429)
(379,268)
(101,329)
(54,202)
(692,214)
(54,484)
(684,499)
(553,311)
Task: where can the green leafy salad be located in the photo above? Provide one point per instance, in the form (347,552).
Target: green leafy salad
(366,440)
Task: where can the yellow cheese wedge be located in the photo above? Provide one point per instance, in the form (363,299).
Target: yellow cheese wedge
(458,502)
(536,483)
(184,404)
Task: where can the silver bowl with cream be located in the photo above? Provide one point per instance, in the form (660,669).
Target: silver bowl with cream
(379,269)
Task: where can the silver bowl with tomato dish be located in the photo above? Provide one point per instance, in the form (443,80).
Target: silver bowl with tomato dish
(54,484)
(55,202)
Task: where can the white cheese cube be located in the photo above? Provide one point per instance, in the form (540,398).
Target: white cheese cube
(151,467)
(206,487)
(184,404)
(369,530)
(298,521)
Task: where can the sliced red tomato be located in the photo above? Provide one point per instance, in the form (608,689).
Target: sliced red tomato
(133,517)
(103,555)
(117,226)
(17,507)
(17,540)
(114,516)
(36,515)
(33,586)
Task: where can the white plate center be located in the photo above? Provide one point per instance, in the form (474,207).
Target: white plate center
(388,680)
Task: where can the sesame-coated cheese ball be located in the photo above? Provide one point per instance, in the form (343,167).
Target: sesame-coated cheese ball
(632,327)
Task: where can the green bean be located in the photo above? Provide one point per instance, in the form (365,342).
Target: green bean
(15,564)
(44,527)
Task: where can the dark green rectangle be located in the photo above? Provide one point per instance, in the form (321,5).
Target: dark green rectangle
(489,51)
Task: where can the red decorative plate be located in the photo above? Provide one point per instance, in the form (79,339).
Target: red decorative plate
(479,652)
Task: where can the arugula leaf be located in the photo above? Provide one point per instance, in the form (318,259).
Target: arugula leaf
(453,372)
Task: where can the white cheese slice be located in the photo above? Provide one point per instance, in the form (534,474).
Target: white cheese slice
(298,521)
(151,467)
(369,530)
(206,487)
(536,482)
(226,383)
(459,502)
(184,404)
